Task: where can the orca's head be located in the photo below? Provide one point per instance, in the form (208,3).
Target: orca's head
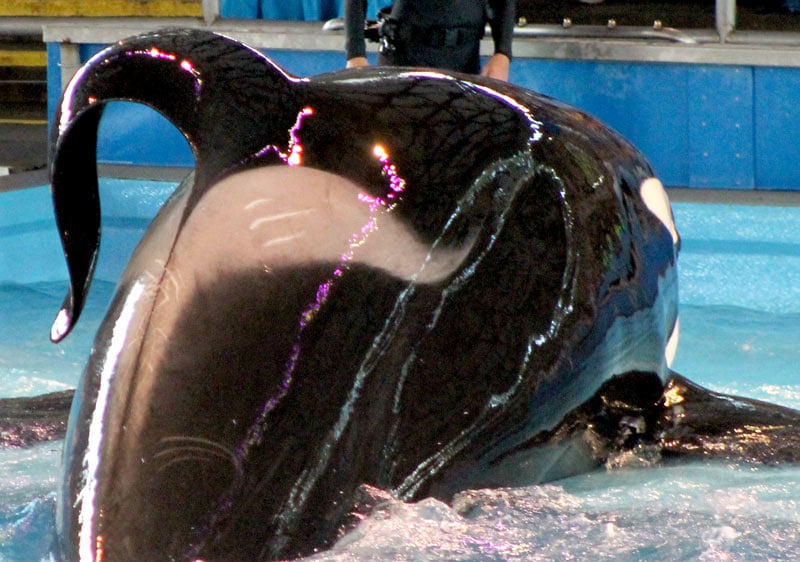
(372,277)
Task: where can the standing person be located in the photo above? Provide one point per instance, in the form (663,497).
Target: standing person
(435,33)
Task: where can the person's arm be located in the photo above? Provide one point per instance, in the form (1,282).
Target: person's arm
(502,23)
(355,12)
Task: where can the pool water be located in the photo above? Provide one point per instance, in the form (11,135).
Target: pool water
(740,299)
(740,319)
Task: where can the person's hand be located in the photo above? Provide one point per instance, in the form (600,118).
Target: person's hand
(497,67)
(355,62)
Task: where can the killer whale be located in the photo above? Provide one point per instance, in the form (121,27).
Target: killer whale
(409,279)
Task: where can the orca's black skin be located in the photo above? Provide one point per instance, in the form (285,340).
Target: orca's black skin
(270,348)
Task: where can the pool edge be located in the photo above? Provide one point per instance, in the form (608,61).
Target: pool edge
(775,198)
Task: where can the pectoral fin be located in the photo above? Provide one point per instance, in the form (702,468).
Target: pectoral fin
(697,422)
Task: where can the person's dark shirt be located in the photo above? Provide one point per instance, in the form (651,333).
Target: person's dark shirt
(434,13)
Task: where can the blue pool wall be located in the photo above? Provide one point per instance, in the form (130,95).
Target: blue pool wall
(700,125)
(308,10)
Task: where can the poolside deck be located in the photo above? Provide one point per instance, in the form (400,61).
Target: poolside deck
(23,102)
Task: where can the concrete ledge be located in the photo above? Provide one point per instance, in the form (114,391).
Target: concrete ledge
(24,180)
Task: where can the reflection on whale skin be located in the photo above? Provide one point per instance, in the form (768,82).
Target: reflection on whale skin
(418,281)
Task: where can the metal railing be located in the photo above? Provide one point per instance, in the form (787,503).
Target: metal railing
(725,23)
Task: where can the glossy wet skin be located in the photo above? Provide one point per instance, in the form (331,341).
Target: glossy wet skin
(400,279)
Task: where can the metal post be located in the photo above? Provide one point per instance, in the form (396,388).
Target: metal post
(725,18)
(70,55)
(210,11)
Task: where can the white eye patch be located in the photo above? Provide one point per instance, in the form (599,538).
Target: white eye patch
(672,344)
(657,200)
